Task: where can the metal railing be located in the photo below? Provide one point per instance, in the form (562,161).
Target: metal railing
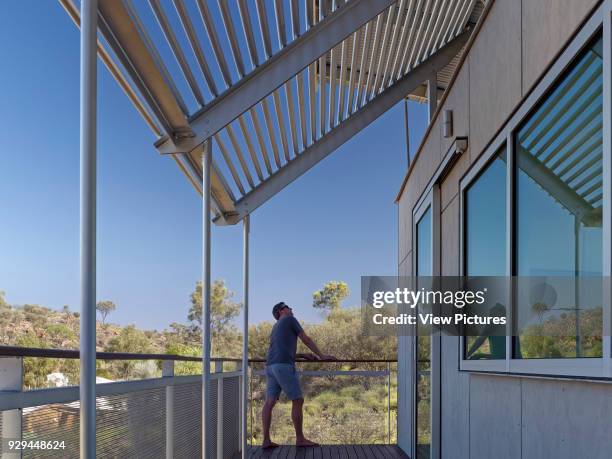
(161,417)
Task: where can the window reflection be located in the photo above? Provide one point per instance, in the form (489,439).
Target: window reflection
(559,209)
(485,244)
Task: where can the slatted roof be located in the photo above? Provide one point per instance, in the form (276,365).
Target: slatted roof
(276,84)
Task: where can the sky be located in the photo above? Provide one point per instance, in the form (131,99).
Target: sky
(337,222)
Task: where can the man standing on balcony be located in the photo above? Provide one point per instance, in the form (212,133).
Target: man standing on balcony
(281,373)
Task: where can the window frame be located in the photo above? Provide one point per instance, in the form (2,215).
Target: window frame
(430,200)
(600,22)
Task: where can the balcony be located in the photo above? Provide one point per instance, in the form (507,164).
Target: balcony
(350,408)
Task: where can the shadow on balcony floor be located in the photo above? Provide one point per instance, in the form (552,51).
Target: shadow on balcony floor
(330,452)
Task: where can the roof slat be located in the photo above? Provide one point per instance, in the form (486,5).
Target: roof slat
(281,123)
(332,89)
(230,164)
(364,54)
(295,17)
(250,148)
(302,108)
(247,26)
(270,128)
(291,110)
(312,71)
(279,15)
(239,155)
(374,54)
(342,96)
(322,90)
(264,28)
(231,35)
(353,72)
(260,139)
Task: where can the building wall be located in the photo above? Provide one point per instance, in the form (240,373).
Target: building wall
(486,416)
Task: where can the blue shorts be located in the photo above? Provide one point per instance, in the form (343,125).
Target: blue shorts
(283,377)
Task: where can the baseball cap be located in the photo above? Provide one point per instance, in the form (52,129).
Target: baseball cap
(277,309)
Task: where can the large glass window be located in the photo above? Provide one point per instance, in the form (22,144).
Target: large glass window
(485,244)
(424,267)
(559,212)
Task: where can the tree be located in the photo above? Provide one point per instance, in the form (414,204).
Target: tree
(223,310)
(3,303)
(131,340)
(104,308)
(330,297)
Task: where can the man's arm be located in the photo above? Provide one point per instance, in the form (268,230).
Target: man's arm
(310,344)
(307,356)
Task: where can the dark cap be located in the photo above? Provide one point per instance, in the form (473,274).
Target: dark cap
(277,309)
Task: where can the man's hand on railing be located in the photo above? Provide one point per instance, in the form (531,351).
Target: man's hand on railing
(326,358)
(308,357)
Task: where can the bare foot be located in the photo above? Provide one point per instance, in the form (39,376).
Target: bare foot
(269,445)
(304,442)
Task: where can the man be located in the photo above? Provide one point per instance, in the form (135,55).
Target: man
(281,374)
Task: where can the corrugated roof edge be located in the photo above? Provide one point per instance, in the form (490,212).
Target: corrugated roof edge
(466,51)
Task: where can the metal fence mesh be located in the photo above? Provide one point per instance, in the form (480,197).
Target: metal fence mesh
(187,420)
(133,425)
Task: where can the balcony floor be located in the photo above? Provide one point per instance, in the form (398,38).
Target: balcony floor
(330,452)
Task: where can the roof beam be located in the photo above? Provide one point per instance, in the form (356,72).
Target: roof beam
(343,132)
(124,39)
(274,72)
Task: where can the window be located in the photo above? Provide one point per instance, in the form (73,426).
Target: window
(485,243)
(558,199)
(533,205)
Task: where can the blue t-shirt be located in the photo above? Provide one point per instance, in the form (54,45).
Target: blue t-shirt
(283,341)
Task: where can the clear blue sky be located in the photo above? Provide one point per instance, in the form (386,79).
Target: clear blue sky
(338,222)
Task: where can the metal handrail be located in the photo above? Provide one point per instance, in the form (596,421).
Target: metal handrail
(17,351)
(20,399)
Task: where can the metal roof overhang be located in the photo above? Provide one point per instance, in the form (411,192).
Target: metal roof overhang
(288,92)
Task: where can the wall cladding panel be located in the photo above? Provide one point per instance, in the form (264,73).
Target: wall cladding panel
(458,100)
(495,417)
(566,419)
(547,25)
(495,73)
(455,403)
(449,241)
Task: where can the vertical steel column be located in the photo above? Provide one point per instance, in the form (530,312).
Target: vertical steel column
(220,409)
(168,372)
(89,12)
(245,337)
(432,94)
(207,444)
(407,133)
(11,380)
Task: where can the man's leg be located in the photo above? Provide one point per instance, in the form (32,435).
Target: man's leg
(297,417)
(266,417)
